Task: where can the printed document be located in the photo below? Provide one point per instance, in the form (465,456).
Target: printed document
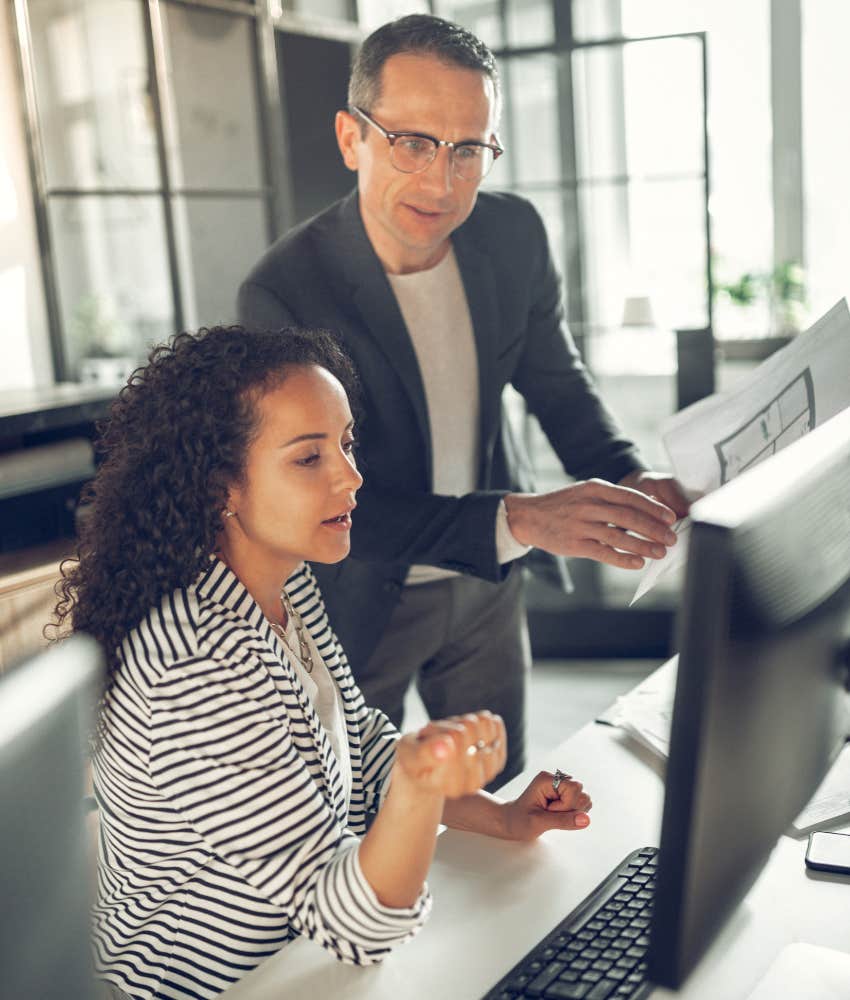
(799,387)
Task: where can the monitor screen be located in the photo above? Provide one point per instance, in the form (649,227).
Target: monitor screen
(761,705)
(45,872)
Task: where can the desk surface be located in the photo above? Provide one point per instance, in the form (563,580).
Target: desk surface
(494,900)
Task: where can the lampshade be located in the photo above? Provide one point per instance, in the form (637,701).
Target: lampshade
(637,311)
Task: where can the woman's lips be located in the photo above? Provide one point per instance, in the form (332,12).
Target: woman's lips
(340,523)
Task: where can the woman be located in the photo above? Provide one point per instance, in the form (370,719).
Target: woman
(236,766)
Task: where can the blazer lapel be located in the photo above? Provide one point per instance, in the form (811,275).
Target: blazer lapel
(479,282)
(372,296)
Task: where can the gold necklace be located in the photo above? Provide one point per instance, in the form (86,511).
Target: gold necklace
(293,616)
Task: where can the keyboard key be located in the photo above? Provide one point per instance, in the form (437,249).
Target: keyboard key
(591,976)
(591,954)
(602,964)
(635,952)
(617,974)
(537,985)
(567,991)
(602,990)
(569,976)
(568,954)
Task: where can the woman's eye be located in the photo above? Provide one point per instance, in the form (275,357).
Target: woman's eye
(349,446)
(308,459)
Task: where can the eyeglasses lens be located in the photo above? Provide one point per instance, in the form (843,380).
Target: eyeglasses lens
(413,154)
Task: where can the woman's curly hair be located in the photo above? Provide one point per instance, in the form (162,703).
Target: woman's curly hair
(175,440)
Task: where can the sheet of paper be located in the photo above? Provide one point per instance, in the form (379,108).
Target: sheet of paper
(646,712)
(674,560)
(831,802)
(797,388)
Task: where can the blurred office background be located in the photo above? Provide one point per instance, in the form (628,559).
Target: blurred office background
(688,157)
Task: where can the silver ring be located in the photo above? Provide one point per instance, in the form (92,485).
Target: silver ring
(559,777)
(481,746)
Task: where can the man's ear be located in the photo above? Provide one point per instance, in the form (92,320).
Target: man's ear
(347,137)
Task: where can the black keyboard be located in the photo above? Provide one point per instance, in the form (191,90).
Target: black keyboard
(599,951)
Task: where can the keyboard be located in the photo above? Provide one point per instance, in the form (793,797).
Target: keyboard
(599,951)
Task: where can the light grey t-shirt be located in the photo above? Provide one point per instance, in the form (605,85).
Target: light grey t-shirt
(435,310)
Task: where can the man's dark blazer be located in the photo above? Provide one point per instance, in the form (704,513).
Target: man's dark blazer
(325,274)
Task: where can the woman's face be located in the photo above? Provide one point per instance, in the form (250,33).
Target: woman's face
(300,477)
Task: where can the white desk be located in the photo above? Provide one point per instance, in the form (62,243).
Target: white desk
(494,900)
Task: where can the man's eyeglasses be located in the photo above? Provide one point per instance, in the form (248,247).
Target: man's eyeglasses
(413,152)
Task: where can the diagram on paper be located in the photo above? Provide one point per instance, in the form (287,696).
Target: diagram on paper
(788,416)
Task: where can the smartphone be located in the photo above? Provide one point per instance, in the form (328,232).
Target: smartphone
(829,852)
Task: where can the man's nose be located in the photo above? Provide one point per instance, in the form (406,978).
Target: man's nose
(439,175)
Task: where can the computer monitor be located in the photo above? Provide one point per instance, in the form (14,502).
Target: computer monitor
(45,711)
(761,704)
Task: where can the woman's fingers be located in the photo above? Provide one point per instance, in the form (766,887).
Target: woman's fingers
(458,755)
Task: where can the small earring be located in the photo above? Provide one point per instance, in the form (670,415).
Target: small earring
(229,513)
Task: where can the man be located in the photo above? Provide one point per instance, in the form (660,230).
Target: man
(443,296)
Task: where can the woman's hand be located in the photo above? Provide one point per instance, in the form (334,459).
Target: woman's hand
(452,757)
(541,808)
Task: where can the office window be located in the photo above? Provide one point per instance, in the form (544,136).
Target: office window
(155,166)
(215,157)
(114,287)
(515,24)
(826,167)
(739,109)
(93,92)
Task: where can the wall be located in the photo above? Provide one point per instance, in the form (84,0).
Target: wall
(24,344)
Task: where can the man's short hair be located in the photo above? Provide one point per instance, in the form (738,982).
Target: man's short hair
(419,34)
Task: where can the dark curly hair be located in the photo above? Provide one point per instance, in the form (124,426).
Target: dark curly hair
(175,440)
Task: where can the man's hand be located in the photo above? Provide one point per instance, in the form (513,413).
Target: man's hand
(661,487)
(541,808)
(595,520)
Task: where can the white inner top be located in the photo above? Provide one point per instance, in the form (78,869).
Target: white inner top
(325,696)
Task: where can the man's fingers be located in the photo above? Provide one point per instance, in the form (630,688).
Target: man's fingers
(617,538)
(629,497)
(589,549)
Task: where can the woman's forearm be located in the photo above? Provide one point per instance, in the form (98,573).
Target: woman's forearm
(478,813)
(397,851)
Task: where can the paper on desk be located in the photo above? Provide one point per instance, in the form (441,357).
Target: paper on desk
(646,713)
(831,801)
(799,387)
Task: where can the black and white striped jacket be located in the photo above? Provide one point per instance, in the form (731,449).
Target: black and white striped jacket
(224,826)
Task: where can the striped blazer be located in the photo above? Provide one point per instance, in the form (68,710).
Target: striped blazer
(224,827)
